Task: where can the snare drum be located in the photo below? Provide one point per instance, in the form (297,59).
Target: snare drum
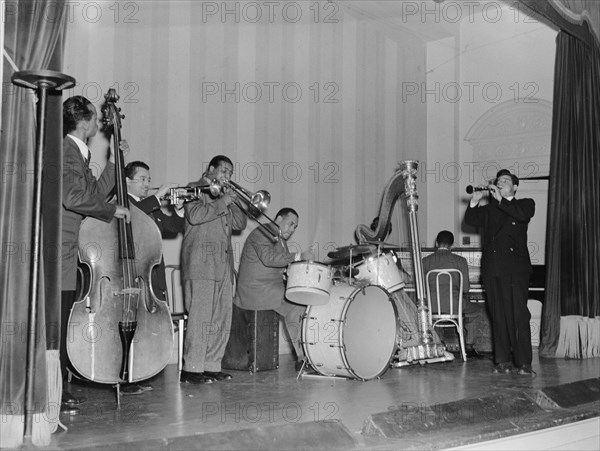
(382,271)
(353,335)
(308,283)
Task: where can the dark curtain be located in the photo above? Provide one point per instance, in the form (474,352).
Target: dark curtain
(34,40)
(569,324)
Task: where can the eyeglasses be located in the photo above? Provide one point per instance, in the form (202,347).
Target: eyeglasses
(142,179)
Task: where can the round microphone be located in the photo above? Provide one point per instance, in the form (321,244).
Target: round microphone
(470,189)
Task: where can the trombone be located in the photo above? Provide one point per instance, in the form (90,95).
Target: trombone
(256,203)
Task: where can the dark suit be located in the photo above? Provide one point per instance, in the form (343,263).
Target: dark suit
(82,195)
(444,259)
(505,269)
(169,226)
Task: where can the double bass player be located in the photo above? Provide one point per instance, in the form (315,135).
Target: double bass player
(82,195)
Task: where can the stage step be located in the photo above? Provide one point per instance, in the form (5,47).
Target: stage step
(569,395)
(293,436)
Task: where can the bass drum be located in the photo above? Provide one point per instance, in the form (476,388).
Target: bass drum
(353,335)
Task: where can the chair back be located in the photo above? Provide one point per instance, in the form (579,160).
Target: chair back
(174,294)
(443,276)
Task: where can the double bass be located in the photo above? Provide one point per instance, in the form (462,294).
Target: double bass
(119,331)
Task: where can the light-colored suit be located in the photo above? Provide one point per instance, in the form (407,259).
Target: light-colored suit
(206,248)
(207,275)
(260,284)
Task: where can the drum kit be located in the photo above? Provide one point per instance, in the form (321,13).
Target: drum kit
(350,327)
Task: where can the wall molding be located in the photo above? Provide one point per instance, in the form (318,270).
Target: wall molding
(515,135)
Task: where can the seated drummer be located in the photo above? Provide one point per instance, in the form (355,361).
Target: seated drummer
(260,284)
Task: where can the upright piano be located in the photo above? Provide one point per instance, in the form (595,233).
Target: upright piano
(479,325)
(473,256)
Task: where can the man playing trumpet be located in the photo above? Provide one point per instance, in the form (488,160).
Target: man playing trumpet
(170,223)
(207,274)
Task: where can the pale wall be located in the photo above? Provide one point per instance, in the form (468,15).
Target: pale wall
(498,57)
(189,79)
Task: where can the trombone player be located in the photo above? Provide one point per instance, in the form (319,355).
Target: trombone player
(207,274)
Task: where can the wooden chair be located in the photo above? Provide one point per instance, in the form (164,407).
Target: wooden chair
(436,316)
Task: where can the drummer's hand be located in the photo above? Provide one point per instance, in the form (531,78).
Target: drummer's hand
(308,255)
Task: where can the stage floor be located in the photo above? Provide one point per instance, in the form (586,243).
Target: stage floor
(277,410)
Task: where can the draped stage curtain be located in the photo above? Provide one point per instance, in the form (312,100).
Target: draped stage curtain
(34,40)
(576,10)
(571,315)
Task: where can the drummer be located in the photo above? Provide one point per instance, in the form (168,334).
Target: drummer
(260,284)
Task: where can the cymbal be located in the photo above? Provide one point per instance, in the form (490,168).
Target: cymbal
(355,250)
(382,245)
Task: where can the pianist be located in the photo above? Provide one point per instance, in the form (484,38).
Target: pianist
(444,258)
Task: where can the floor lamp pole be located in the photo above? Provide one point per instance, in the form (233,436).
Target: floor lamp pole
(41,81)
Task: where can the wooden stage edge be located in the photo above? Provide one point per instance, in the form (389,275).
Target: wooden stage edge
(433,406)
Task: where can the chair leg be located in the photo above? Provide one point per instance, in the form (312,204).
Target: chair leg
(461,337)
(181,325)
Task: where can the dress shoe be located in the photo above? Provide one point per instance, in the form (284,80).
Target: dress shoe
(195,378)
(525,370)
(69,410)
(218,375)
(135,389)
(504,367)
(69,400)
(473,353)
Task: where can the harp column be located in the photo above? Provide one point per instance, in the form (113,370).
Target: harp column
(408,169)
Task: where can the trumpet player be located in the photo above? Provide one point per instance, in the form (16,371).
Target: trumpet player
(138,179)
(137,176)
(207,274)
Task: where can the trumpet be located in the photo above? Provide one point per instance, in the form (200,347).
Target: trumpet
(256,203)
(191,193)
